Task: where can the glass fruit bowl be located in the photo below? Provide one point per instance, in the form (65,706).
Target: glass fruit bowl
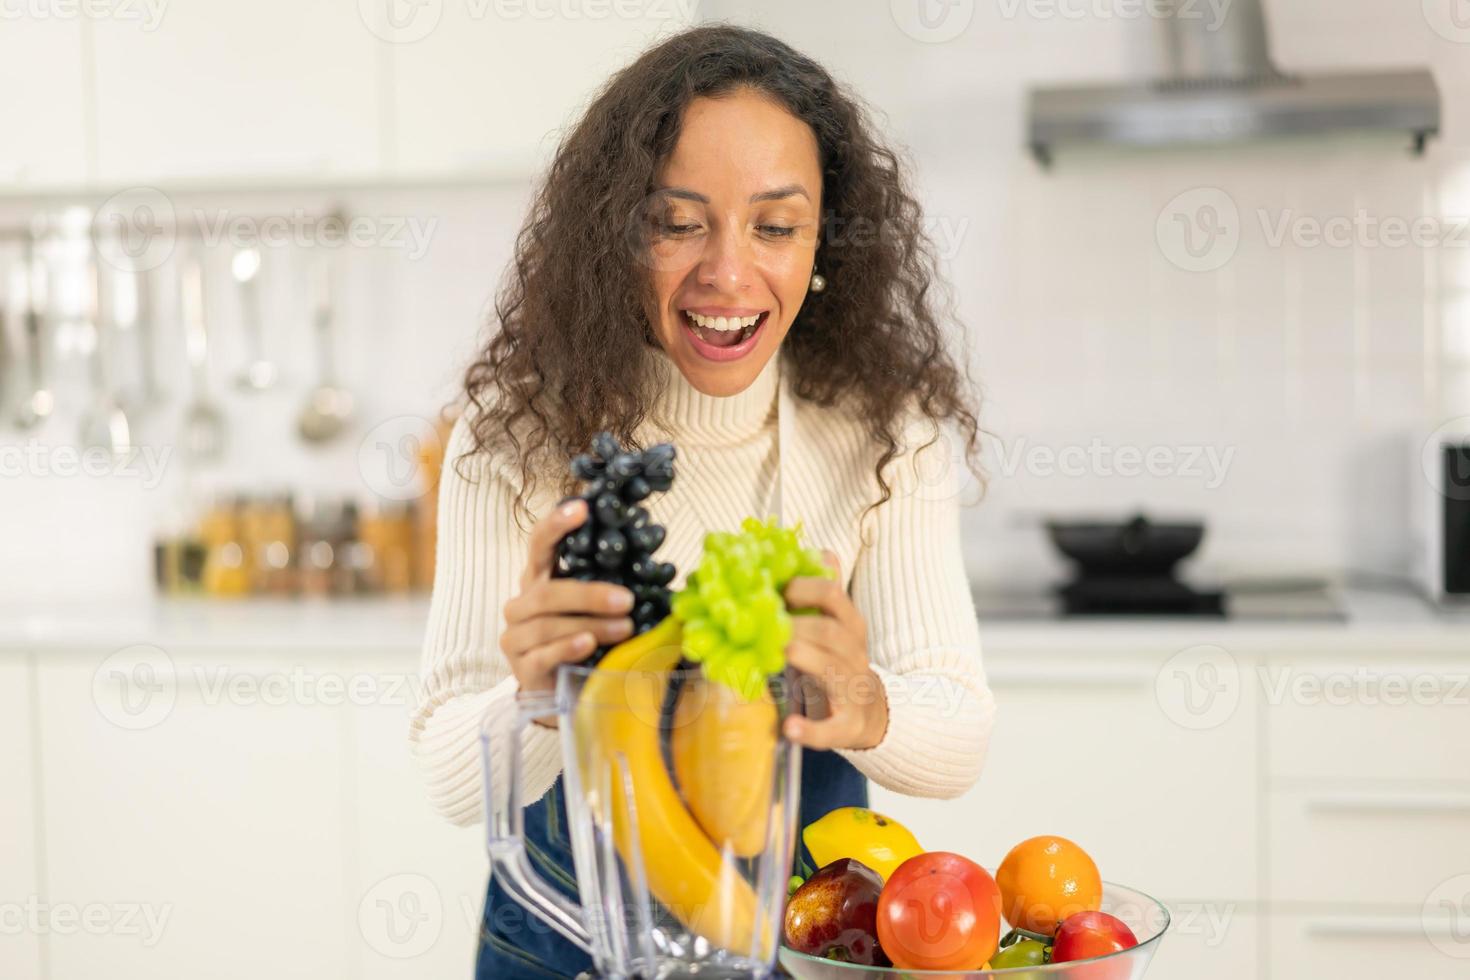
(1146,916)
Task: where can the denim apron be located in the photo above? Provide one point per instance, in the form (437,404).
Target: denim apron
(515,945)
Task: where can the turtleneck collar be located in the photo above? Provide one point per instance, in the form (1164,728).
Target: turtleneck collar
(685,412)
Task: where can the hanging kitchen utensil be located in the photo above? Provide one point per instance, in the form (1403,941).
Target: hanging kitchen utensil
(6,298)
(204,425)
(141,325)
(328,406)
(259,372)
(37,401)
(105,424)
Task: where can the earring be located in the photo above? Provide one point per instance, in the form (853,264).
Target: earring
(819,281)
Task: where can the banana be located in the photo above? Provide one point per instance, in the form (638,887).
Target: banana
(724,756)
(617,717)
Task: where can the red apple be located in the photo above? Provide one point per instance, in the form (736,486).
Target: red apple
(833,914)
(1087,934)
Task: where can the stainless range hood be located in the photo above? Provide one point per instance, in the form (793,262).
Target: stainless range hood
(1222,87)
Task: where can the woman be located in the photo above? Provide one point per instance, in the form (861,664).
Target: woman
(722,255)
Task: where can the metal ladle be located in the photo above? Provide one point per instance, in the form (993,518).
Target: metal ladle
(259,372)
(328,406)
(105,424)
(204,424)
(139,323)
(38,402)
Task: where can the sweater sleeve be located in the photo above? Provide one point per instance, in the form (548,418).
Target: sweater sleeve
(910,584)
(481,552)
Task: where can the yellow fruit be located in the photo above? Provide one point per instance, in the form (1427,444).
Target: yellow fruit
(724,751)
(616,724)
(880,842)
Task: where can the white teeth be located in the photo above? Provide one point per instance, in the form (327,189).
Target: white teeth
(722,322)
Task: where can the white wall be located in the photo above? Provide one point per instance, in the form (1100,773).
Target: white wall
(1319,368)
(406,327)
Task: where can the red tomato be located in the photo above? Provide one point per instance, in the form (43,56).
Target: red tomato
(939,911)
(1088,934)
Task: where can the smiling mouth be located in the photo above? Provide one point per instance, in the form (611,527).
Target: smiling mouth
(720,331)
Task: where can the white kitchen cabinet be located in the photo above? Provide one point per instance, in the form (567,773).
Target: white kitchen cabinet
(222,818)
(489,87)
(1082,749)
(1368,811)
(257,90)
(42,103)
(1397,717)
(1209,941)
(1419,838)
(279,90)
(20,948)
(264,808)
(418,882)
(291,836)
(1369,947)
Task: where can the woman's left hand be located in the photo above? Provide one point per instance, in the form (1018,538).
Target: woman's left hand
(830,649)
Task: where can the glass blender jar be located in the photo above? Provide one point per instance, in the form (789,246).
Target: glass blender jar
(681,803)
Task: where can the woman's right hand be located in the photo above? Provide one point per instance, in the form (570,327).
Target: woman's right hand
(552,621)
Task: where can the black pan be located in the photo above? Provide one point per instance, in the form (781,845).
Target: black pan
(1135,547)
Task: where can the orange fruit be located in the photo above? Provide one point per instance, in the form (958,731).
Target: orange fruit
(1045,879)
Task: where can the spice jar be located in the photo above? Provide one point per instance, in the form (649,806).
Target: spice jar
(226,572)
(385,532)
(270,543)
(325,561)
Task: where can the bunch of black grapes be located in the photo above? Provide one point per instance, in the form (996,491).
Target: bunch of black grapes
(617,541)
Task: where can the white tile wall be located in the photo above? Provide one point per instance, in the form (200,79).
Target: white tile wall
(1317,367)
(407,325)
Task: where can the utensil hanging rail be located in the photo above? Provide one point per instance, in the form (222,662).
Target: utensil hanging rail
(195,223)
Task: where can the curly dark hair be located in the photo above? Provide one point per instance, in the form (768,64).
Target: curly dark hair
(874,336)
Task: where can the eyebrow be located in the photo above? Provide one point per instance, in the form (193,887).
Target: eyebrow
(774,194)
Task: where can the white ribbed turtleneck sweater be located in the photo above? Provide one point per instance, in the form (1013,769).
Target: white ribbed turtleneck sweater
(759,452)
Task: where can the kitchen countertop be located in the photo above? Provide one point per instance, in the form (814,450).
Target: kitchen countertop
(270,624)
(1376,621)
(1372,620)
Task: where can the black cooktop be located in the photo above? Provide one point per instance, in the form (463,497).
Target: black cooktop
(1161,599)
(1135,595)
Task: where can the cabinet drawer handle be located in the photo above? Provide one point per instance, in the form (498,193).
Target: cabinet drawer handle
(1375,927)
(1070,677)
(1378,803)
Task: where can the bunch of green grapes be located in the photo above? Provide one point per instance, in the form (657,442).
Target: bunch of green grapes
(736,624)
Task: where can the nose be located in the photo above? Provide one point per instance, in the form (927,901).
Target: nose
(726,264)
